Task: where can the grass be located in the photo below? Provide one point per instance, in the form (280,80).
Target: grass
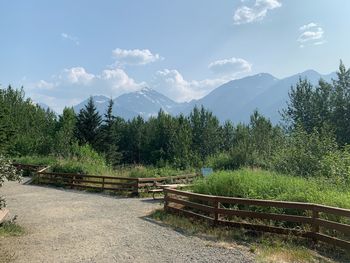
(97,166)
(260,184)
(265,248)
(10,229)
(36,160)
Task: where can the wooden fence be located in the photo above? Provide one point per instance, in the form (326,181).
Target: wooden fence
(28,167)
(109,183)
(218,210)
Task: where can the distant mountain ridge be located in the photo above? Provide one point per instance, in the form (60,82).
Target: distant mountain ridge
(234,100)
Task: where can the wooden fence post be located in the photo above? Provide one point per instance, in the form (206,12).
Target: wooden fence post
(73,182)
(103,183)
(165,198)
(216,213)
(315,226)
(137,187)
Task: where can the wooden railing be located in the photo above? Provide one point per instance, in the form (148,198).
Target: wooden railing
(150,182)
(28,167)
(109,183)
(227,211)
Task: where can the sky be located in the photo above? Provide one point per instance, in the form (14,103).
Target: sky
(62,52)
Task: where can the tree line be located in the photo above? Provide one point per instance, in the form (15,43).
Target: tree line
(314,131)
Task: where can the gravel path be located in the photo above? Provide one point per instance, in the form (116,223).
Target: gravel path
(74,226)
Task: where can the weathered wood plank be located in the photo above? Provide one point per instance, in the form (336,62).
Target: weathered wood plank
(3,214)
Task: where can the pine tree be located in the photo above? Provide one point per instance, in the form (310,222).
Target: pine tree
(109,137)
(88,124)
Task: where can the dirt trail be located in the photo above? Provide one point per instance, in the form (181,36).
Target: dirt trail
(74,226)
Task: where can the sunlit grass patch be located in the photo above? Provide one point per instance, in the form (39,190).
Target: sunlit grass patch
(11,229)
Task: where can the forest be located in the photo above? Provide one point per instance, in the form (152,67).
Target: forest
(311,140)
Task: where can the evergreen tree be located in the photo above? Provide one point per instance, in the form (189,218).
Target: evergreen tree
(341,105)
(88,124)
(134,140)
(109,137)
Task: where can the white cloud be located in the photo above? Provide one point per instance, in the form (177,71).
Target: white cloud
(77,75)
(44,85)
(135,56)
(230,66)
(73,85)
(257,12)
(74,39)
(308,26)
(172,84)
(312,34)
(118,81)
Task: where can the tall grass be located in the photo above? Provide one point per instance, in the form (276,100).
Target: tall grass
(259,184)
(96,165)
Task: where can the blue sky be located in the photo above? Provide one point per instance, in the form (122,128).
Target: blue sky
(64,51)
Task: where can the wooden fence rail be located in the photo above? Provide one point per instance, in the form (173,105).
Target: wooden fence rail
(218,210)
(29,167)
(109,183)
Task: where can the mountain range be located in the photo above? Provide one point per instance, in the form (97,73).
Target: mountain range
(234,100)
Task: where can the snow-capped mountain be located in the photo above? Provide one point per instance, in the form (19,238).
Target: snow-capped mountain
(234,100)
(146,102)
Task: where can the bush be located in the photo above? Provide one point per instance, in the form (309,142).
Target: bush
(84,161)
(301,153)
(335,166)
(7,172)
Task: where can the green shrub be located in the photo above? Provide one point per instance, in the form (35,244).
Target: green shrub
(83,161)
(221,161)
(302,152)
(335,166)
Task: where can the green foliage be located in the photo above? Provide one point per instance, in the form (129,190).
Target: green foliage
(84,160)
(109,137)
(205,132)
(36,160)
(250,145)
(302,152)
(88,124)
(326,105)
(335,166)
(25,128)
(65,132)
(259,184)
(7,172)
